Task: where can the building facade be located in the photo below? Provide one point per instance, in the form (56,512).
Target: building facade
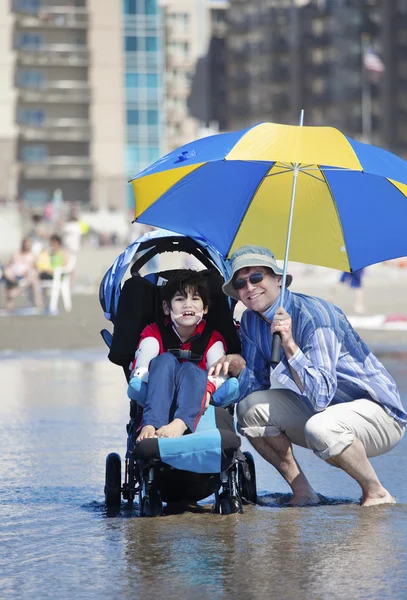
(195,80)
(144,84)
(288,55)
(62,101)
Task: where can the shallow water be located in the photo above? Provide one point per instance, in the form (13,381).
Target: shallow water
(61,414)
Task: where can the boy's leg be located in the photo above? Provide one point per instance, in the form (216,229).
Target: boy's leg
(190,398)
(160,390)
(190,394)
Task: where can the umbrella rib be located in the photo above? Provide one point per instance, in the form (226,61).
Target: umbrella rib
(279,173)
(314,176)
(337,214)
(333,169)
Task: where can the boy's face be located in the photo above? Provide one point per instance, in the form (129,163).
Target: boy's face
(187,309)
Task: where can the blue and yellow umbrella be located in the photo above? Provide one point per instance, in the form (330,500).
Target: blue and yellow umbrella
(237,188)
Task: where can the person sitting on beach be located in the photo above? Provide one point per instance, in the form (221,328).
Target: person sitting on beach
(58,258)
(178,391)
(20,273)
(328,392)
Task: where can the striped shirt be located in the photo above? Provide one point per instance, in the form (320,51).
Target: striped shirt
(333,364)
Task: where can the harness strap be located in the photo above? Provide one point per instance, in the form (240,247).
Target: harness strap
(199,343)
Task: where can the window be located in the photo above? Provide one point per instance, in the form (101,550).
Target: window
(132,157)
(130,7)
(34,154)
(152,80)
(151,7)
(31,6)
(30,79)
(153,154)
(152,117)
(132,80)
(151,44)
(30,40)
(32,116)
(130,43)
(133,117)
(38,197)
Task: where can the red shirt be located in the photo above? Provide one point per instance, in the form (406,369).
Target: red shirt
(153,330)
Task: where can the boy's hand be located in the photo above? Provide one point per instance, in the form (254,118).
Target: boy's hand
(231,363)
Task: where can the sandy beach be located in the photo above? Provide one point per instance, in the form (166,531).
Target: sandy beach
(385,295)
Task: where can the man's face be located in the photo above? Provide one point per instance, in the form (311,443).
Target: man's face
(259,296)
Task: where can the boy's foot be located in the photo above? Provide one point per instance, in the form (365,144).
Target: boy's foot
(176,428)
(148,431)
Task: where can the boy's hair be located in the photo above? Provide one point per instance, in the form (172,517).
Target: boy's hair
(184,280)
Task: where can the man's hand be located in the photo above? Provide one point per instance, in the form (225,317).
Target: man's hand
(231,363)
(283,325)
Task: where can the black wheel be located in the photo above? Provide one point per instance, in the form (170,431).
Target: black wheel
(113,479)
(151,506)
(247,479)
(230,505)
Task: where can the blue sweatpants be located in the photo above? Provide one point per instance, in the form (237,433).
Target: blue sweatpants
(175,391)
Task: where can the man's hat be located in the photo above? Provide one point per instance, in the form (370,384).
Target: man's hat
(251,256)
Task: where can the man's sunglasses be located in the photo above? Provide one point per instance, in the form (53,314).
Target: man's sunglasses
(254,278)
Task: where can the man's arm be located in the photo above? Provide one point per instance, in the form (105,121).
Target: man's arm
(252,370)
(312,367)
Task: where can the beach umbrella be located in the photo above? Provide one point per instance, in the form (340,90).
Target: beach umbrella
(239,188)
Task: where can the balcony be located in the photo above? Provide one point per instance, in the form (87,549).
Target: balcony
(58,167)
(61,91)
(63,55)
(54,17)
(57,130)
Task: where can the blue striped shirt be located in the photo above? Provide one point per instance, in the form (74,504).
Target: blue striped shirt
(333,364)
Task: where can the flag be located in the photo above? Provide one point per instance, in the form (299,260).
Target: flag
(372,61)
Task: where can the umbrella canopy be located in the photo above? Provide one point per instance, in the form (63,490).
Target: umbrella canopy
(235,188)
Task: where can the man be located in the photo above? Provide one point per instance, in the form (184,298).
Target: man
(328,393)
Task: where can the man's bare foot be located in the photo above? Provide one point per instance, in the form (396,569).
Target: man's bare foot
(148,431)
(176,428)
(383,497)
(308,498)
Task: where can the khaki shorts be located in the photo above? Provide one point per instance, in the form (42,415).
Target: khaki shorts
(271,412)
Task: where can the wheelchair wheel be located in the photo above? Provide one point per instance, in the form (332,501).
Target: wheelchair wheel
(247,480)
(229,505)
(113,479)
(151,505)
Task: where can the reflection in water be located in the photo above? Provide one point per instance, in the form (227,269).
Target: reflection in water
(61,416)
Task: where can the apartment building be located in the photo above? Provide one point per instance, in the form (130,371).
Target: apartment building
(62,101)
(195,69)
(285,55)
(144,85)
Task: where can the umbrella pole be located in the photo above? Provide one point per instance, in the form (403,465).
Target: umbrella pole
(276,343)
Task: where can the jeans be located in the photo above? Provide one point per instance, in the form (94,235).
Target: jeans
(175,391)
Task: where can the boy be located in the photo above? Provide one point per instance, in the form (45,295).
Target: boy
(179,389)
